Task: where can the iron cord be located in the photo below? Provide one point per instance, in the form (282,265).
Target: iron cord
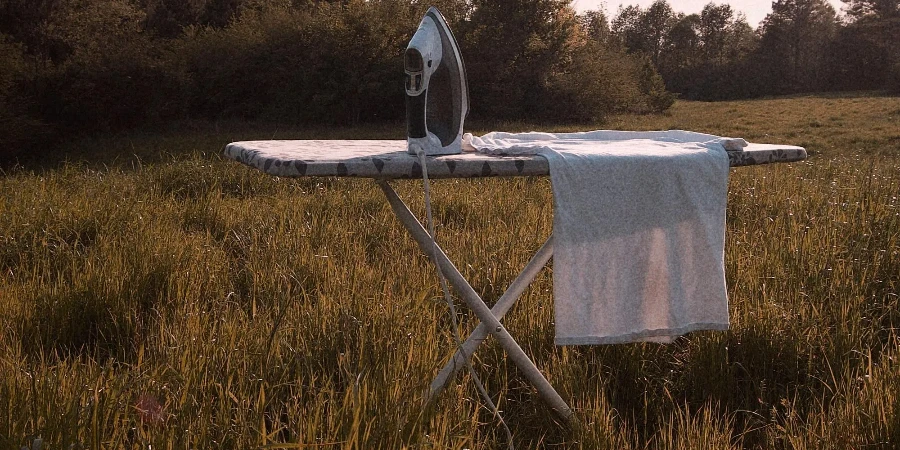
(449,300)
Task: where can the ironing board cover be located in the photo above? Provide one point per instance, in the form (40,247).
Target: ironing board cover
(388,159)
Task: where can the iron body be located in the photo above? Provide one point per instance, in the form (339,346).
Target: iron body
(437,94)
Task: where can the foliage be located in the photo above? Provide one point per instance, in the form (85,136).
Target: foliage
(697,55)
(596,26)
(329,64)
(794,41)
(878,10)
(893,83)
(535,59)
(88,66)
(111,75)
(644,30)
(167,18)
(22,19)
(19,129)
(801,46)
(102,65)
(876,24)
(511,47)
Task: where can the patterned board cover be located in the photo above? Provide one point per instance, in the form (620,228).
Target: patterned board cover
(388,159)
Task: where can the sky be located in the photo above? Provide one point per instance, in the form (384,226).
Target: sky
(755,10)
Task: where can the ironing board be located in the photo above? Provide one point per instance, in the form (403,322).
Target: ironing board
(384,160)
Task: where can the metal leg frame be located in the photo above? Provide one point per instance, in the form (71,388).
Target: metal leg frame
(490,318)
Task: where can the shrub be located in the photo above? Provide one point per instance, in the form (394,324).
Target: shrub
(97,67)
(113,76)
(893,81)
(325,64)
(653,88)
(597,82)
(20,130)
(533,59)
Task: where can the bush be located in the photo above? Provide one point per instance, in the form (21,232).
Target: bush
(20,130)
(893,81)
(597,82)
(97,66)
(533,59)
(653,88)
(121,90)
(327,64)
(113,75)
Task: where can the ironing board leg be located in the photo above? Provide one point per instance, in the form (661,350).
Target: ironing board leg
(506,301)
(475,303)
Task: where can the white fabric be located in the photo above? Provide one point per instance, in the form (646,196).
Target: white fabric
(639,231)
(531,143)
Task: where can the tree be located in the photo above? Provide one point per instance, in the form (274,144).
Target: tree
(857,59)
(871,41)
(626,28)
(21,20)
(683,44)
(741,40)
(109,73)
(644,31)
(704,51)
(90,28)
(510,47)
(714,28)
(167,18)
(596,26)
(793,47)
(19,128)
(656,22)
(878,10)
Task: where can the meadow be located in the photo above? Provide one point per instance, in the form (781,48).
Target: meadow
(155,295)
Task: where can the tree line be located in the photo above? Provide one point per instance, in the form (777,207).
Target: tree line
(801,46)
(70,66)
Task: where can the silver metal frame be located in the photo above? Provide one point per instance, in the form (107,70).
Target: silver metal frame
(490,318)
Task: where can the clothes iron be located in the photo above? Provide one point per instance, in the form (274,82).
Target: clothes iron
(437,94)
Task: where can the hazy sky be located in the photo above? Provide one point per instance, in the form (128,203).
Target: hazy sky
(755,10)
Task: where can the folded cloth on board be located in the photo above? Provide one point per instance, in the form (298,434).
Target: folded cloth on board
(639,231)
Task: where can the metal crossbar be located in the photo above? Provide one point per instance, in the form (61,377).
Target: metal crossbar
(481,332)
(490,320)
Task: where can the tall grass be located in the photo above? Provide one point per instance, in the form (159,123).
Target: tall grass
(154,294)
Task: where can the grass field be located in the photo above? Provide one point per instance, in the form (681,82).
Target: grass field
(154,294)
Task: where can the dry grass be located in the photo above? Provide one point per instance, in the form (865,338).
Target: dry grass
(152,293)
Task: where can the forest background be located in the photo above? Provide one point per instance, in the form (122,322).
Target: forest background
(92,66)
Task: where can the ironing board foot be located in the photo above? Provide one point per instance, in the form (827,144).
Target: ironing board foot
(490,323)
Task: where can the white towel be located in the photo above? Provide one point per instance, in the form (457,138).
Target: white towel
(639,231)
